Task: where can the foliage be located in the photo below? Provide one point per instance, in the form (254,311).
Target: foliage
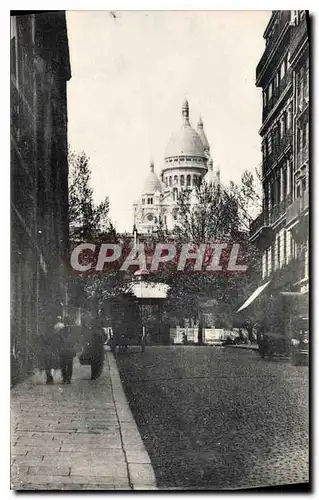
(213,213)
(90,223)
(87,220)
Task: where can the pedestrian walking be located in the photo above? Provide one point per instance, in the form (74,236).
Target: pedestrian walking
(67,353)
(97,349)
(49,355)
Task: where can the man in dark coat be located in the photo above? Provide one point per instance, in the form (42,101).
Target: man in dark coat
(67,353)
(50,345)
(97,349)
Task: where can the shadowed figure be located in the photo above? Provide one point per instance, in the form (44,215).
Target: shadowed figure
(97,349)
(66,353)
(50,348)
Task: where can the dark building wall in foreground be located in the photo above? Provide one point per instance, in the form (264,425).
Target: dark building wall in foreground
(40,70)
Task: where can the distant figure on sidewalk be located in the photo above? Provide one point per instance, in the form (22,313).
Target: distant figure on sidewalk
(49,357)
(97,349)
(67,353)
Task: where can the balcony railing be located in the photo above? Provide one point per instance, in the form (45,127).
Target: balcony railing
(268,218)
(297,207)
(282,23)
(299,33)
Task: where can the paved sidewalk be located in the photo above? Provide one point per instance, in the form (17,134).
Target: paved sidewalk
(76,437)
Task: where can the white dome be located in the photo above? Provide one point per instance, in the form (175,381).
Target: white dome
(152,183)
(186,141)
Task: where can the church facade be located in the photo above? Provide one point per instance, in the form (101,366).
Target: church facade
(187,159)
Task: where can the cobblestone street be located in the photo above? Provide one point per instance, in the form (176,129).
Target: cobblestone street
(76,437)
(219,418)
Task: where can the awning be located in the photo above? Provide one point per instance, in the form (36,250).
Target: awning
(256,293)
(149,290)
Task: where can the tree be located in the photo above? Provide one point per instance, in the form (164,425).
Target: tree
(87,220)
(90,223)
(212,213)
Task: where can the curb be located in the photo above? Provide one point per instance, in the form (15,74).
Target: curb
(140,470)
(245,347)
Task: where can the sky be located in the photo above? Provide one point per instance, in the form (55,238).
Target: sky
(130,75)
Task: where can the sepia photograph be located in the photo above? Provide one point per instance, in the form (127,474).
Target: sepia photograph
(159,248)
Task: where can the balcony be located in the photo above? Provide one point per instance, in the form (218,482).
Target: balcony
(281,26)
(260,233)
(299,35)
(298,207)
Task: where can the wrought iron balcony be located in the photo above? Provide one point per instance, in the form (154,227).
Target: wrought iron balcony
(283,20)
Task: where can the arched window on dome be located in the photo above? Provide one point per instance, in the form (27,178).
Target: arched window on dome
(188,180)
(143,201)
(195,180)
(165,220)
(175,194)
(175,179)
(182,180)
(175,160)
(188,158)
(170,180)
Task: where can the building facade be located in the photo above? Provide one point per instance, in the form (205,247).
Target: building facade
(187,159)
(40,70)
(281,230)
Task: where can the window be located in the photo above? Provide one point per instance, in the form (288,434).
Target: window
(188,159)
(282,125)
(195,180)
(188,180)
(284,247)
(284,177)
(175,179)
(266,263)
(170,180)
(298,140)
(304,135)
(182,180)
(143,201)
(273,256)
(270,91)
(298,191)
(269,143)
(278,251)
(282,70)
